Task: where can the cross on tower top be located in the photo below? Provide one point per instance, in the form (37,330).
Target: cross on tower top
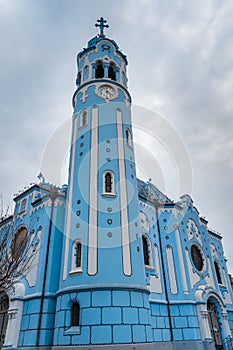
(102,25)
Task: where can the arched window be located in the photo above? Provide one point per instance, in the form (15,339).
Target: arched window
(23,205)
(108,183)
(78,80)
(78,254)
(83,119)
(129,138)
(77,257)
(218,273)
(19,242)
(85,73)
(111,72)
(75,315)
(146,250)
(99,73)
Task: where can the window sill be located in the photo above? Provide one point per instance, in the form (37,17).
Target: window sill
(148,267)
(76,271)
(108,194)
(82,126)
(21,211)
(73,330)
(222,286)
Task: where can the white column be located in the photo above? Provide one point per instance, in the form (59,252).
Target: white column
(181,260)
(15,316)
(93,197)
(171,270)
(204,322)
(225,322)
(69,209)
(123,198)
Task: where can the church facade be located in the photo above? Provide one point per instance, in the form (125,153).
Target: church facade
(117,264)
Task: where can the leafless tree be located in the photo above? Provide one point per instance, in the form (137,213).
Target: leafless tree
(5,208)
(16,253)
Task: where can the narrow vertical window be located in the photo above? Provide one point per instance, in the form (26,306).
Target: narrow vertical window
(83,119)
(76,257)
(129,138)
(108,184)
(111,72)
(75,315)
(78,254)
(23,205)
(218,273)
(146,253)
(86,73)
(99,73)
(78,80)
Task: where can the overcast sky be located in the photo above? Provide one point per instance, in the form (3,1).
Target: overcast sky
(180,57)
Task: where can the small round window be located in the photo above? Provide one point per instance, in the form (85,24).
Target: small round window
(197,257)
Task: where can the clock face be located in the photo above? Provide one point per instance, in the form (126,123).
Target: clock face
(106,91)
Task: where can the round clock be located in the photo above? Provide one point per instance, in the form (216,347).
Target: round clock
(106,91)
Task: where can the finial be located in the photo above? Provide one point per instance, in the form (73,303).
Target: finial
(102,25)
(41,178)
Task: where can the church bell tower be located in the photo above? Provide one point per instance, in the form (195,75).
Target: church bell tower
(102,290)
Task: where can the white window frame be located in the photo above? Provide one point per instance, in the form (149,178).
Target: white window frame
(129,140)
(149,251)
(81,124)
(74,268)
(112,193)
(22,210)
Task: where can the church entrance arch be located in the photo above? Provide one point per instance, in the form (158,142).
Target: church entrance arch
(214,323)
(4,306)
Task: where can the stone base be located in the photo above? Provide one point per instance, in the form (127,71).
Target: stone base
(177,345)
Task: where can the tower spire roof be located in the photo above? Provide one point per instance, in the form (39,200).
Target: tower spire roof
(101,23)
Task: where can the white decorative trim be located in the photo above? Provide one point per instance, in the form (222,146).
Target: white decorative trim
(148,206)
(74,268)
(155,281)
(93,196)
(171,270)
(81,123)
(31,276)
(181,261)
(85,95)
(209,278)
(109,194)
(104,193)
(173,210)
(15,312)
(77,271)
(69,205)
(123,198)
(194,277)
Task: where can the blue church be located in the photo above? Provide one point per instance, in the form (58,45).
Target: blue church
(117,264)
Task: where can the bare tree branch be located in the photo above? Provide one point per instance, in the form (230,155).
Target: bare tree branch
(16,253)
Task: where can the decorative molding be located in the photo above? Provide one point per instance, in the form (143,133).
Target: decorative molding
(127,269)
(92,266)
(69,206)
(171,270)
